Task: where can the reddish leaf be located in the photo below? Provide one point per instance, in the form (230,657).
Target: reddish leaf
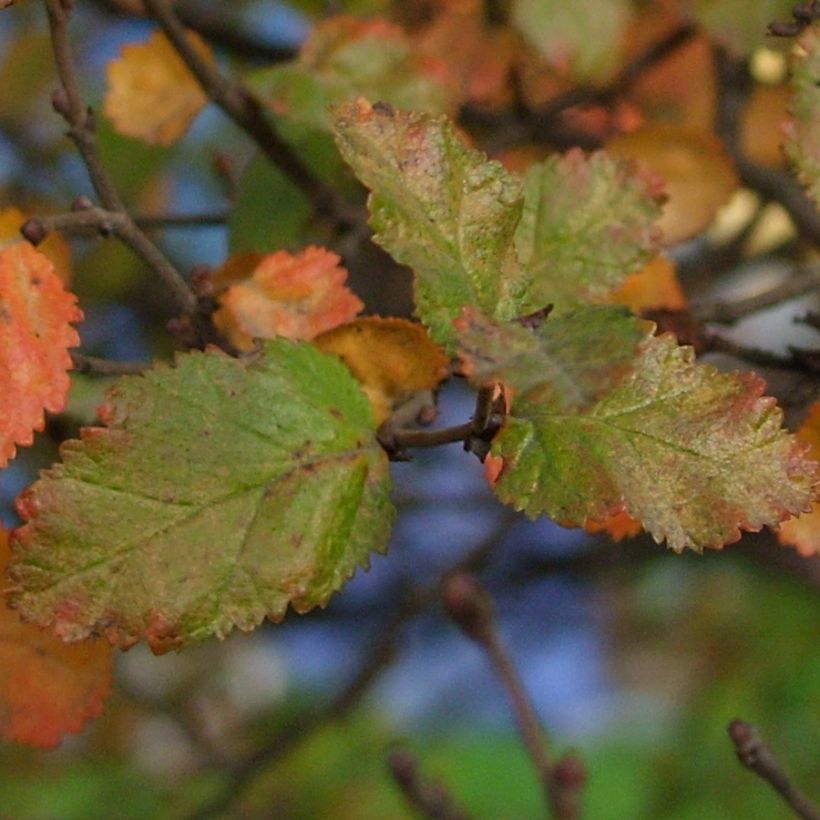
(47,687)
(803,532)
(295,296)
(35,332)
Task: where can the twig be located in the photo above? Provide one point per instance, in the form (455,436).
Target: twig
(733,88)
(469,606)
(213,28)
(206,219)
(376,660)
(68,102)
(429,796)
(106,367)
(756,756)
(727,313)
(242,106)
(797,360)
(476,435)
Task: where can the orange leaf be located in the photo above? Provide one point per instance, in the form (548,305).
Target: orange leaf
(47,687)
(392,358)
(618,526)
(282,294)
(53,246)
(35,312)
(803,531)
(654,287)
(698,174)
(152,95)
(763,125)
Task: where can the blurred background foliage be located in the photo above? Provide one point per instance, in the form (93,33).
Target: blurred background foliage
(635,657)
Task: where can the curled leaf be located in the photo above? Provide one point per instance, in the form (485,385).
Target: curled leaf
(152,95)
(35,334)
(47,687)
(391,358)
(296,296)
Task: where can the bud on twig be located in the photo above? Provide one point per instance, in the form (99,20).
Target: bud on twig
(34,231)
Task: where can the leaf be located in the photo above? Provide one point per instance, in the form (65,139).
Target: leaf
(581,39)
(53,246)
(342,59)
(803,532)
(440,208)
(803,142)
(698,174)
(694,454)
(617,526)
(47,688)
(391,358)
(763,124)
(739,25)
(35,334)
(295,296)
(565,362)
(654,287)
(221,491)
(587,223)
(151,94)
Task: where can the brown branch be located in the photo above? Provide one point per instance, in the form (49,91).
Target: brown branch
(470,608)
(756,756)
(90,220)
(68,102)
(430,797)
(246,111)
(727,313)
(734,85)
(106,367)
(206,219)
(213,27)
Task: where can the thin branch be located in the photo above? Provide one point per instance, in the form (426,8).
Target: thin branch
(207,219)
(214,28)
(756,756)
(470,608)
(734,85)
(797,360)
(242,106)
(69,103)
(106,367)
(727,313)
(90,221)
(376,660)
(432,799)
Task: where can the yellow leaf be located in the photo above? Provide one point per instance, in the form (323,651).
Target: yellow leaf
(281,294)
(392,358)
(653,287)
(698,174)
(803,531)
(152,95)
(54,247)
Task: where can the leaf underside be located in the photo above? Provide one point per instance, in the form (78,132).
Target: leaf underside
(220,492)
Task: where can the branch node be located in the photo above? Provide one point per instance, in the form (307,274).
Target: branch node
(467,604)
(34,231)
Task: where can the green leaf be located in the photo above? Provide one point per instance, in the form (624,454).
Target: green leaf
(587,223)
(440,208)
(582,39)
(739,24)
(694,454)
(271,212)
(803,145)
(565,362)
(345,58)
(221,491)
